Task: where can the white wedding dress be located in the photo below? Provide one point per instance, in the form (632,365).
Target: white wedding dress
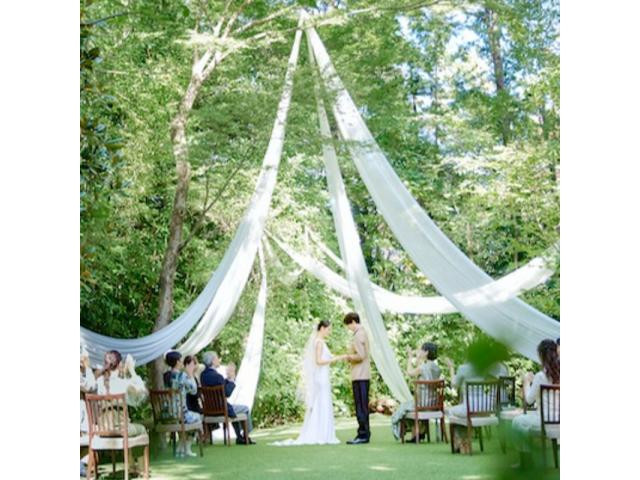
(318,427)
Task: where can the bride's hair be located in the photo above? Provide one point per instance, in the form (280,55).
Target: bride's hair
(323,324)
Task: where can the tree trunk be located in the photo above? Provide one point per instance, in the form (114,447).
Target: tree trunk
(170,262)
(493,35)
(436,105)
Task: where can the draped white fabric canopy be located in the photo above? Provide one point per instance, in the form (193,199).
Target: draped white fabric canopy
(224,303)
(529,276)
(449,269)
(354,265)
(217,301)
(492,305)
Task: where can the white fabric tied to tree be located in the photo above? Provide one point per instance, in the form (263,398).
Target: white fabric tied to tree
(217,301)
(249,371)
(529,276)
(355,268)
(509,320)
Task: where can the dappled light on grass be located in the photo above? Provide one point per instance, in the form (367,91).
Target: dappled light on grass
(381,468)
(382,458)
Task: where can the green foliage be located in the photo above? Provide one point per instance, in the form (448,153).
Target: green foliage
(428,98)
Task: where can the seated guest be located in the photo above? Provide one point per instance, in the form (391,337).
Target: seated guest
(425,368)
(530,421)
(182,378)
(468,373)
(120,377)
(193,399)
(211,378)
(87,385)
(117,377)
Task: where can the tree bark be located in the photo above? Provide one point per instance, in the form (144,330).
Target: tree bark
(170,261)
(493,35)
(201,70)
(436,105)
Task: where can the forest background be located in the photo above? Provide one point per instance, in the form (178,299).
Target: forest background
(463,97)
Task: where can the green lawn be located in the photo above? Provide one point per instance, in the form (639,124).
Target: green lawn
(383,458)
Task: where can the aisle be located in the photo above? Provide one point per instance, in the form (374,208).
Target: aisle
(383,458)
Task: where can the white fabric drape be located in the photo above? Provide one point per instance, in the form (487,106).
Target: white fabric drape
(216,302)
(528,276)
(357,275)
(449,269)
(249,371)
(325,249)
(251,228)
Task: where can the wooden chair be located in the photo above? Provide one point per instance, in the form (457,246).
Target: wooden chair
(508,407)
(482,402)
(428,398)
(550,419)
(168,416)
(214,409)
(109,429)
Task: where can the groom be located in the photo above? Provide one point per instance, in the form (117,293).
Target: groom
(358,357)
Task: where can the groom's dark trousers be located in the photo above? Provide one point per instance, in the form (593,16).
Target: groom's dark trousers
(361,397)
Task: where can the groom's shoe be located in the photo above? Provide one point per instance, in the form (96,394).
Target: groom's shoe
(242,441)
(358,441)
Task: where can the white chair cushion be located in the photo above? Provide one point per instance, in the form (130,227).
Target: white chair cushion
(238,418)
(84,440)
(510,414)
(411,415)
(117,443)
(475,421)
(175,427)
(552,431)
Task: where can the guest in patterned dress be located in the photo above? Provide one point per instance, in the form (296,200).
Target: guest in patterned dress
(181,377)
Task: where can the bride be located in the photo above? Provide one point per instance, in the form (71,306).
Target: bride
(318,427)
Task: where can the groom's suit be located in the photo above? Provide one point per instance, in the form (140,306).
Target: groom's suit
(360,378)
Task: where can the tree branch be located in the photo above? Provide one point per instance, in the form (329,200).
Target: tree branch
(400,8)
(104,19)
(200,222)
(234,17)
(261,21)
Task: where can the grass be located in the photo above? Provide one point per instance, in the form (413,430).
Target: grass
(383,458)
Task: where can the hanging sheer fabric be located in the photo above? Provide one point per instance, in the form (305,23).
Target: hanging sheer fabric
(249,371)
(325,249)
(224,302)
(529,276)
(356,270)
(216,302)
(449,269)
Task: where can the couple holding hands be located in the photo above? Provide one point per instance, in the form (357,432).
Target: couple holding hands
(319,427)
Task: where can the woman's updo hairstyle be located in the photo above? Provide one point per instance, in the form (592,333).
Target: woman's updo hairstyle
(431,349)
(323,324)
(172,357)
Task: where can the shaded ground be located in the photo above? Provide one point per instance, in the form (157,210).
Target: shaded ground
(383,458)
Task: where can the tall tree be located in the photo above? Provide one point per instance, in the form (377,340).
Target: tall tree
(491,20)
(220,33)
